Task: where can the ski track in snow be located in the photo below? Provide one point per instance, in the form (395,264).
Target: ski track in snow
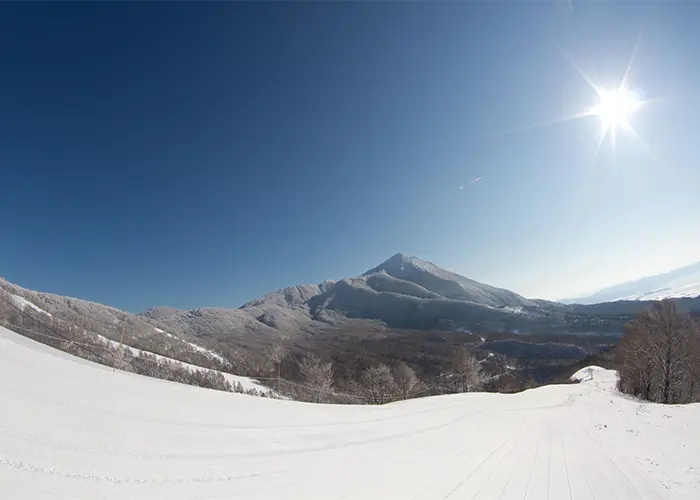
(74,430)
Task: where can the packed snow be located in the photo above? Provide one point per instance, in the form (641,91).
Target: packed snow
(590,373)
(71,429)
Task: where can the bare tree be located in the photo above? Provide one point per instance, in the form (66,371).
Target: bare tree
(119,357)
(318,376)
(277,353)
(466,371)
(635,370)
(405,380)
(378,384)
(660,355)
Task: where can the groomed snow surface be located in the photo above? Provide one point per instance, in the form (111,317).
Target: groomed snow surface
(71,429)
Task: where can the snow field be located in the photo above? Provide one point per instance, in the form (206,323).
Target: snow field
(75,430)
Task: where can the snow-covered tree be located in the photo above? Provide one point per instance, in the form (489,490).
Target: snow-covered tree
(466,371)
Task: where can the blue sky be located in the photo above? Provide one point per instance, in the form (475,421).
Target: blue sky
(203,154)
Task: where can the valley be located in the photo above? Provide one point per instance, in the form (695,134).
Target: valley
(404,310)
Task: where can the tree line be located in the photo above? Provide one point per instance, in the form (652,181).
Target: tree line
(317,381)
(658,359)
(659,355)
(79,342)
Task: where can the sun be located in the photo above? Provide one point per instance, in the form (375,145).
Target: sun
(614,111)
(615,108)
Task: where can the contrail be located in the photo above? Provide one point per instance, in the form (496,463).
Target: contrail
(469,183)
(565,7)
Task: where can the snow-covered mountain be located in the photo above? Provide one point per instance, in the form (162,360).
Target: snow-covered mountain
(104,321)
(682,282)
(417,275)
(72,429)
(402,292)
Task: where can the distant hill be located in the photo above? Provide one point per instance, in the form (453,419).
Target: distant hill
(679,283)
(396,299)
(402,293)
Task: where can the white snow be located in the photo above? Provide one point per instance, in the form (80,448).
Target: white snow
(593,372)
(446,284)
(205,351)
(682,282)
(246,382)
(71,429)
(684,290)
(514,310)
(21,302)
(194,346)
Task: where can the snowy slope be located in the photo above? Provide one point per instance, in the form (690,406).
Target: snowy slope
(446,284)
(197,348)
(683,282)
(70,429)
(22,303)
(97,318)
(590,373)
(246,382)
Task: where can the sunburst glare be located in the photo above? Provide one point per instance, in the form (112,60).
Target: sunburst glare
(614,107)
(614,110)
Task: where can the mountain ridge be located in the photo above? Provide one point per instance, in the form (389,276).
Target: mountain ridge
(677,283)
(401,295)
(403,292)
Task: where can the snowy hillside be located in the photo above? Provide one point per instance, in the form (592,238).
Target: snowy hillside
(246,383)
(99,319)
(683,282)
(72,429)
(402,293)
(23,303)
(446,284)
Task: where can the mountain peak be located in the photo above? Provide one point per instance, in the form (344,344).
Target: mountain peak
(399,262)
(400,256)
(446,284)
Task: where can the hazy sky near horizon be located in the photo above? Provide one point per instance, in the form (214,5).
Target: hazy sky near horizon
(203,154)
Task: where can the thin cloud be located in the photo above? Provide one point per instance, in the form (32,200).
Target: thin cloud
(473,181)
